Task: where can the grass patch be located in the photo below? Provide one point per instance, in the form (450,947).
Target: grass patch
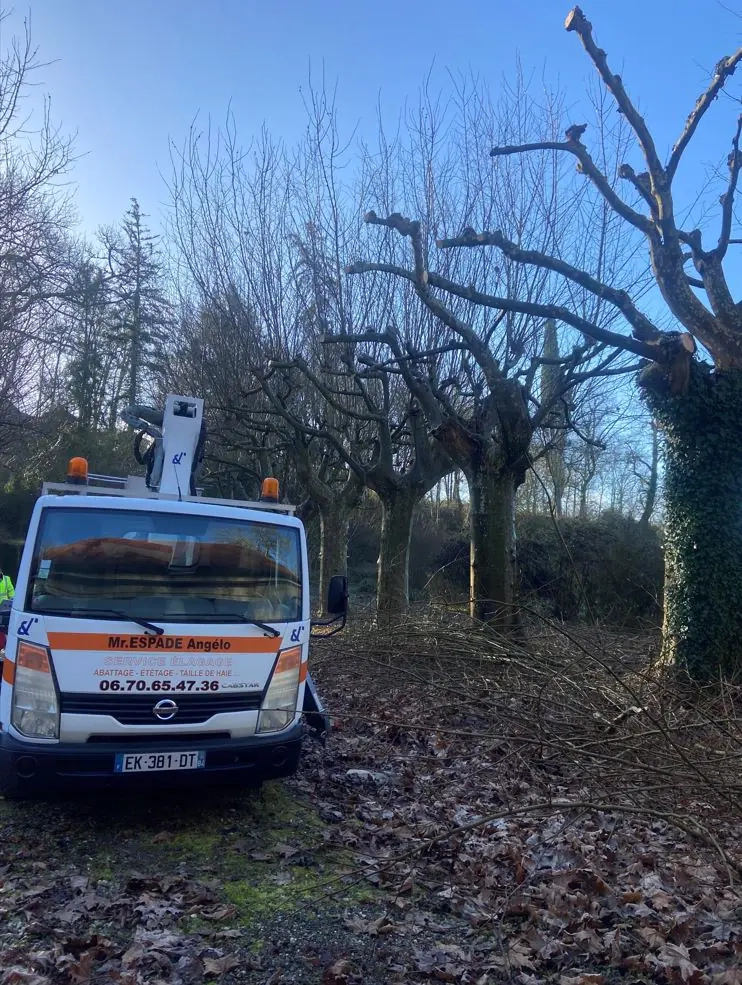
(285,889)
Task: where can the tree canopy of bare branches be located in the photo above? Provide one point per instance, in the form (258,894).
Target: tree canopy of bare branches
(703,545)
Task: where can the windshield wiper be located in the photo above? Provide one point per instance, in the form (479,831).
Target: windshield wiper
(236,617)
(232,616)
(109,612)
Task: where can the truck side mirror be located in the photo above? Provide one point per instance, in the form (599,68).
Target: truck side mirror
(337,596)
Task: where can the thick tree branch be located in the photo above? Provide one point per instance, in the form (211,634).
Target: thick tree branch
(724,70)
(727,199)
(626,342)
(643,328)
(421,280)
(588,166)
(640,183)
(577,22)
(696,282)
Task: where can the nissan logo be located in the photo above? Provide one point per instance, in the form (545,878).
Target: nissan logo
(165,710)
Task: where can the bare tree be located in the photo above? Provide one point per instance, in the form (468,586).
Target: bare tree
(35,216)
(386,448)
(698,405)
(489,400)
(264,241)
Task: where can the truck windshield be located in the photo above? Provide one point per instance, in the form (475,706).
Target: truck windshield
(165,567)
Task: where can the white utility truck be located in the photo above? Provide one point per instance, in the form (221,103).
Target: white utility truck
(157,634)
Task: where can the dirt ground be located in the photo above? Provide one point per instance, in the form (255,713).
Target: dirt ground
(402,852)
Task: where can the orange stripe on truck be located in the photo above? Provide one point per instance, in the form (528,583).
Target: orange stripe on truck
(8,671)
(125,642)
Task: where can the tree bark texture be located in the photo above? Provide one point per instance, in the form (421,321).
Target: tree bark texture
(493,572)
(333,553)
(393,570)
(703,525)
(654,469)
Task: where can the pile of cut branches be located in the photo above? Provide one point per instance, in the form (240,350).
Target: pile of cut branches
(576,806)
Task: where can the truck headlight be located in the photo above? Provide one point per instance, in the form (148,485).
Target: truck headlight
(280,702)
(35,709)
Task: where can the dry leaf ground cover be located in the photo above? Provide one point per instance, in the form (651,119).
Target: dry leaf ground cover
(483,812)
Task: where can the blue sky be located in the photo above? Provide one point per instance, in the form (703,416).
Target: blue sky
(129,75)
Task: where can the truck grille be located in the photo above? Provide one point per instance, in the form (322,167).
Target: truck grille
(189,738)
(137,709)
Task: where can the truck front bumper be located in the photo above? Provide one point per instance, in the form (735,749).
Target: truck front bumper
(28,768)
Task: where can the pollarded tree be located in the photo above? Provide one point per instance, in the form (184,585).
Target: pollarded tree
(698,404)
(509,378)
(386,447)
(365,416)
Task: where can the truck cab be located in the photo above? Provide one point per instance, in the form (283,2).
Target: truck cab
(156,635)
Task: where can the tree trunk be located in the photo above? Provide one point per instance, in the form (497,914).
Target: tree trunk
(654,469)
(584,487)
(559,479)
(703,525)
(333,553)
(393,567)
(493,568)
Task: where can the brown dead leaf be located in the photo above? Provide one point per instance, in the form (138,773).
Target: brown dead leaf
(652,936)
(133,956)
(520,955)
(37,891)
(218,966)
(219,911)
(338,973)
(78,970)
(632,896)
(677,956)
(22,976)
(382,925)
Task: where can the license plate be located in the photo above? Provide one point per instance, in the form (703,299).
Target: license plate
(147,762)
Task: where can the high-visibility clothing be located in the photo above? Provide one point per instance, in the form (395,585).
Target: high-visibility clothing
(6,588)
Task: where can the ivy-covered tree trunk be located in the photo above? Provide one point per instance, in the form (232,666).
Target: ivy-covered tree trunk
(333,554)
(393,571)
(703,521)
(493,572)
